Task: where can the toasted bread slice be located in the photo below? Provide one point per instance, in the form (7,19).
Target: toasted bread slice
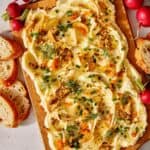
(142,54)
(23,106)
(14,90)
(17,94)
(9,49)
(8,72)
(46,4)
(8,112)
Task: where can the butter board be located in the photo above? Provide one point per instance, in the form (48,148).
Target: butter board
(122,21)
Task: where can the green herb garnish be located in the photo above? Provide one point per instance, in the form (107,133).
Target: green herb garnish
(109,133)
(64,27)
(5,16)
(35,35)
(74,86)
(24,15)
(48,50)
(119,83)
(139,84)
(122,130)
(72,128)
(69,13)
(92,116)
(105,53)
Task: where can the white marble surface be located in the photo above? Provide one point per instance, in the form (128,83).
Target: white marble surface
(27,136)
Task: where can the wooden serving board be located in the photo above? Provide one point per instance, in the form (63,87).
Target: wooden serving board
(122,21)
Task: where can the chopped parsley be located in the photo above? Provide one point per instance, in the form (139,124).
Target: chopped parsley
(47,79)
(73,136)
(105,53)
(89,22)
(109,133)
(69,13)
(84,100)
(92,76)
(91,39)
(93,92)
(74,86)
(88,105)
(86,49)
(48,50)
(114,99)
(71,129)
(79,110)
(119,83)
(64,27)
(122,130)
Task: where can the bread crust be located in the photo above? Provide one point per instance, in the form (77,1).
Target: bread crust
(16,48)
(41,4)
(26,104)
(11,92)
(13,76)
(19,98)
(140,54)
(13,109)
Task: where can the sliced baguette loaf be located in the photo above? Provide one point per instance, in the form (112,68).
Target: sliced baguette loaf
(142,54)
(8,112)
(9,49)
(8,72)
(17,94)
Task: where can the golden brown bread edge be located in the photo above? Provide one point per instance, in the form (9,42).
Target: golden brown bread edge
(141,55)
(123,22)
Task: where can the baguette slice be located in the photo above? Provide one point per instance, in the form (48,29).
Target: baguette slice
(14,90)
(46,4)
(17,94)
(8,72)
(23,107)
(9,49)
(8,112)
(142,54)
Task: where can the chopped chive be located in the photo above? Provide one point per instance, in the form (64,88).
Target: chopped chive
(139,84)
(92,116)
(24,15)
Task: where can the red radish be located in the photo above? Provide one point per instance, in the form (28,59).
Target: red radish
(16,25)
(13,10)
(143,16)
(133,4)
(145,96)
